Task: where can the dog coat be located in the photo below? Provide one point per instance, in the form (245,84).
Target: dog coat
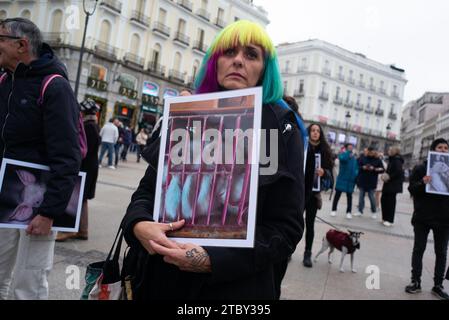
(339,239)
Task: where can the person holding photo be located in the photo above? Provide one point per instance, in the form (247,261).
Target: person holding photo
(241,56)
(430,213)
(317,144)
(45,133)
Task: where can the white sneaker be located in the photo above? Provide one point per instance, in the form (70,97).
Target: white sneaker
(333,213)
(374,216)
(387,224)
(349,216)
(111,167)
(357,214)
(100,166)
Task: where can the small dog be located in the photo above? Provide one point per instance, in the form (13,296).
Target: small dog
(345,242)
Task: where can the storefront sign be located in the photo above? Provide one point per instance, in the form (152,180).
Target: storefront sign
(150,100)
(169,92)
(150,88)
(130,93)
(97,84)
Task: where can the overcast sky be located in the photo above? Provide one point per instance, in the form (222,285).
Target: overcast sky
(413,34)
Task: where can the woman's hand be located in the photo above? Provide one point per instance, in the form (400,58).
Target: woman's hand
(426,179)
(320,172)
(147,231)
(187,257)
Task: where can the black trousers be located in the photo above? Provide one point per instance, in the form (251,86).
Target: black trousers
(441,238)
(311,210)
(388,204)
(337,197)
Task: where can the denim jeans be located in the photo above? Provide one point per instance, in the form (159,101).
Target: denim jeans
(110,148)
(372,200)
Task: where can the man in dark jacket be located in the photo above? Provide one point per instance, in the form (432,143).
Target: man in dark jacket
(369,169)
(431,212)
(43,133)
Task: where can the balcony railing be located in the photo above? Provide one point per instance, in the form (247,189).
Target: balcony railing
(113,5)
(54,39)
(392,116)
(190,81)
(379,112)
(130,57)
(186,4)
(298,93)
(326,72)
(176,75)
(338,100)
(358,106)
(161,28)
(182,38)
(369,110)
(382,91)
(349,104)
(285,70)
(140,17)
(361,84)
(203,14)
(220,23)
(372,88)
(341,77)
(106,50)
(302,68)
(200,46)
(351,81)
(156,69)
(324,96)
(395,94)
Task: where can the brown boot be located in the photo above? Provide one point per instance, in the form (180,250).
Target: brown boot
(63,236)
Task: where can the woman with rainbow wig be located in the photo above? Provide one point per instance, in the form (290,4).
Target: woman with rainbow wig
(241,56)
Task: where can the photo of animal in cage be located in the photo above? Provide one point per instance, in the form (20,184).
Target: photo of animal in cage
(210,166)
(22,190)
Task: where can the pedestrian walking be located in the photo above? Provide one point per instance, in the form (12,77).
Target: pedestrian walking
(430,213)
(89,165)
(370,167)
(314,202)
(347,174)
(127,140)
(44,132)
(109,136)
(393,180)
(170,271)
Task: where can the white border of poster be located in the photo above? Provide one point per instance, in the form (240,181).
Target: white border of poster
(76,199)
(439,171)
(316,179)
(253,185)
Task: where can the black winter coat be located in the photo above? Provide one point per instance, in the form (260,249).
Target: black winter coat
(310,169)
(367,179)
(396,172)
(45,134)
(237,273)
(90,162)
(431,209)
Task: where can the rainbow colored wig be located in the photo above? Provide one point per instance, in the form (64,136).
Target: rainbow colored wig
(242,32)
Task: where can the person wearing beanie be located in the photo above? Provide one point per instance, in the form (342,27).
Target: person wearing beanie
(431,212)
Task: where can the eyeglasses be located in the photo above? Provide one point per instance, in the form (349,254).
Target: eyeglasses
(9,37)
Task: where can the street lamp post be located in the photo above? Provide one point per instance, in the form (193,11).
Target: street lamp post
(89,7)
(347,117)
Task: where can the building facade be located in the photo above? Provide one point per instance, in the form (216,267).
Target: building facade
(136,52)
(423,121)
(355,99)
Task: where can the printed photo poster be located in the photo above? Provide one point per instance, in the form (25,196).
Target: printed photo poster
(208,167)
(22,189)
(316,178)
(438,169)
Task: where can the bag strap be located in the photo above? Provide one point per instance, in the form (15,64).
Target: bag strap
(3,77)
(44,86)
(118,240)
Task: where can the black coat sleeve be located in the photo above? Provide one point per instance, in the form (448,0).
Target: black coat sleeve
(416,186)
(60,122)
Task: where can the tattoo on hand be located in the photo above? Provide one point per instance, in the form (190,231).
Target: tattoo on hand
(198,259)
